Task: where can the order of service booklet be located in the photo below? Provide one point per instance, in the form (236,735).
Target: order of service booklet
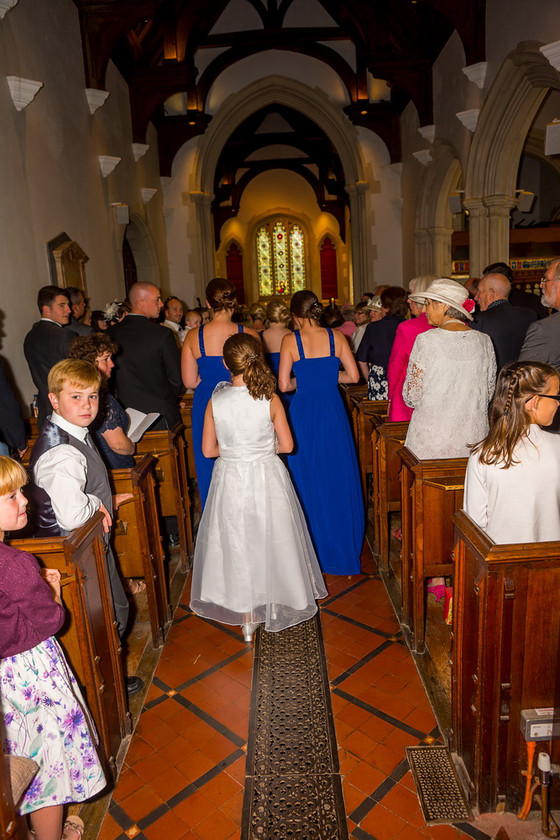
(139,423)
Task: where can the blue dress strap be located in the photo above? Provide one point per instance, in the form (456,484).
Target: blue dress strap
(201,341)
(299,344)
(331,341)
(240,328)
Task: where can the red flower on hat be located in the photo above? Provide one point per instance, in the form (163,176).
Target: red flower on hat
(469,304)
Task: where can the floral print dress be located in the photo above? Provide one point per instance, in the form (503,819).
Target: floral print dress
(46,719)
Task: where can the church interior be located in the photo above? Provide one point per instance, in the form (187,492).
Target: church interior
(288,145)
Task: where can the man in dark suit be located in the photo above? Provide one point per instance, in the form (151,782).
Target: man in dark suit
(148,369)
(517,296)
(47,343)
(506,325)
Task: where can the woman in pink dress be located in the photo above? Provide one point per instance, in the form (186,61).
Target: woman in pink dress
(402,345)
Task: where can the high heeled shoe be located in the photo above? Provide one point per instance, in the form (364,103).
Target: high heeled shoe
(248,630)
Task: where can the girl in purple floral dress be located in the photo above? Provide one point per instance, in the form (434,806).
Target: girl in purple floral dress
(45,717)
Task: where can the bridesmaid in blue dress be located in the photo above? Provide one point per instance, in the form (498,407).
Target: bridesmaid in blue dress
(202,367)
(323,465)
(278,317)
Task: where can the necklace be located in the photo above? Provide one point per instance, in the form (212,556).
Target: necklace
(453,321)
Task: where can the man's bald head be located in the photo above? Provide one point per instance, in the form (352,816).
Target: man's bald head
(145,299)
(492,287)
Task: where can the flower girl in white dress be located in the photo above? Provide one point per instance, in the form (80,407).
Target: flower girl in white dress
(254,561)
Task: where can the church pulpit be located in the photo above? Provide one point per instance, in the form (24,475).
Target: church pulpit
(431,492)
(137,541)
(363,412)
(186,417)
(89,633)
(506,640)
(168,446)
(386,440)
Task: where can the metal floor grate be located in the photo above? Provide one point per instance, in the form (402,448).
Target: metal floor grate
(292,786)
(437,785)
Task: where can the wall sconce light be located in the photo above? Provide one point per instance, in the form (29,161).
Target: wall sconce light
(455,202)
(552,138)
(524,200)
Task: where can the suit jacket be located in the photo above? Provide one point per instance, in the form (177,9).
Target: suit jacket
(12,428)
(45,344)
(542,344)
(79,327)
(517,297)
(147,369)
(506,325)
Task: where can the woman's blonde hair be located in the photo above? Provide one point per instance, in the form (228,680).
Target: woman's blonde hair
(278,313)
(509,418)
(243,355)
(12,475)
(257,311)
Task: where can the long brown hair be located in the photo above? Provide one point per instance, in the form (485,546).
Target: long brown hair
(509,418)
(305,304)
(243,354)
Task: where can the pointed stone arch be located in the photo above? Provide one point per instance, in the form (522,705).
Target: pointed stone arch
(505,119)
(314,104)
(433,218)
(139,239)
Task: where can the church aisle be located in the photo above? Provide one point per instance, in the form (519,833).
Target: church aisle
(184,772)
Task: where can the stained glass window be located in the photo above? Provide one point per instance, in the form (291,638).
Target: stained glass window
(280,257)
(264,267)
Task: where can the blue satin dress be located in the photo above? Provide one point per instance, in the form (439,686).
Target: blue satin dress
(324,466)
(273,361)
(211,370)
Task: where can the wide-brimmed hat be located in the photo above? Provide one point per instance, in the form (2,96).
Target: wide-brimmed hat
(374,303)
(445,291)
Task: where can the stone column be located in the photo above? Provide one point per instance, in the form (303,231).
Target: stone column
(422,253)
(499,209)
(441,250)
(205,241)
(362,271)
(478,235)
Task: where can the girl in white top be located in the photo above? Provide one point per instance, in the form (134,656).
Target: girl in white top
(512,488)
(254,561)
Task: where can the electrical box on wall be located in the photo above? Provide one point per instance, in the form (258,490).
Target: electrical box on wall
(540,724)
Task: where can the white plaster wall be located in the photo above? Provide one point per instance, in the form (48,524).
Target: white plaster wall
(180,219)
(49,170)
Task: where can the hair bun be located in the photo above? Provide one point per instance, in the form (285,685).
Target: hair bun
(316,309)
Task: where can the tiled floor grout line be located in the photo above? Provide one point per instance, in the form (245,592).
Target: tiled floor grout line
(361,662)
(360,624)
(410,730)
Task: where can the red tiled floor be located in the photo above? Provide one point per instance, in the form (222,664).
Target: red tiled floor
(173,747)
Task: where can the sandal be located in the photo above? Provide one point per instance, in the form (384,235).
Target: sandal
(72,826)
(134,585)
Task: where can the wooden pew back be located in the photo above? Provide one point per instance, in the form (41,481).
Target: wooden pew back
(89,634)
(168,447)
(431,492)
(505,656)
(386,441)
(137,540)
(363,413)
(186,417)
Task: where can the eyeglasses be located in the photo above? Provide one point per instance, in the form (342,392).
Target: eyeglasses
(544,280)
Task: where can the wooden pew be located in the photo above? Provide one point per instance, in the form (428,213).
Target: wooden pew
(137,540)
(386,441)
(10,827)
(350,391)
(89,634)
(168,446)
(363,412)
(431,492)
(186,417)
(505,657)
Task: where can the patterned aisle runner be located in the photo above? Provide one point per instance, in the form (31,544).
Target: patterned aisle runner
(292,784)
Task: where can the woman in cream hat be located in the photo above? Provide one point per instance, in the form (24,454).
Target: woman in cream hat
(450,376)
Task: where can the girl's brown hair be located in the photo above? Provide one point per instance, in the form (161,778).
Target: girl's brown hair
(278,313)
(12,475)
(305,304)
(509,418)
(394,299)
(243,354)
(90,347)
(220,294)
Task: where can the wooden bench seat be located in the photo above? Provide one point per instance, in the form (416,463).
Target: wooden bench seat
(504,658)
(137,540)
(364,413)
(89,634)
(431,492)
